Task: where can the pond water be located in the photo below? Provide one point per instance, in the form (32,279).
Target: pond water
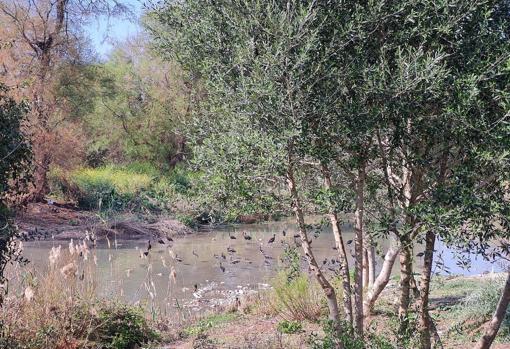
(209,269)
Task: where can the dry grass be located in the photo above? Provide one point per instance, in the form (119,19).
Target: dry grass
(59,308)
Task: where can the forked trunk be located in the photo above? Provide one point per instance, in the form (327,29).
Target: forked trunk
(493,326)
(339,243)
(329,291)
(424,325)
(382,280)
(344,267)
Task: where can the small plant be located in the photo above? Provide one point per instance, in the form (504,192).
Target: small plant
(332,338)
(206,323)
(289,327)
(119,326)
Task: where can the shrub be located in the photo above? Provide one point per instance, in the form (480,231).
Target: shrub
(296,299)
(118,326)
(331,339)
(289,327)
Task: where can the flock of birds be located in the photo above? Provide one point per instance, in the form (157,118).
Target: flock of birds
(230,256)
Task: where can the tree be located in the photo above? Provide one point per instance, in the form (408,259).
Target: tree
(255,60)
(45,30)
(14,163)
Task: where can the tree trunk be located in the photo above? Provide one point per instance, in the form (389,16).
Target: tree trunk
(382,280)
(42,166)
(307,248)
(344,264)
(371,263)
(423,305)
(365,264)
(358,250)
(493,326)
(405,284)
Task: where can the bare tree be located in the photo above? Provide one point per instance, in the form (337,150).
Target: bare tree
(45,30)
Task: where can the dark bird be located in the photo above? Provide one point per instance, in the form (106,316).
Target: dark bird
(149,246)
(170,239)
(161,241)
(195,287)
(222,267)
(270,241)
(231,236)
(178,259)
(195,254)
(349,242)
(230,250)
(297,236)
(420,254)
(235,261)
(146,253)
(284,233)
(325,261)
(223,256)
(246,236)
(335,248)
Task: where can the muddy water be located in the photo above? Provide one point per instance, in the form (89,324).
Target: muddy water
(197,272)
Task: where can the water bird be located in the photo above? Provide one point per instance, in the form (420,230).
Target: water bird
(146,253)
(349,242)
(284,233)
(149,246)
(270,241)
(246,236)
(230,250)
(231,236)
(222,267)
(161,241)
(170,239)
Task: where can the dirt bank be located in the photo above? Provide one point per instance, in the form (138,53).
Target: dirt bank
(63,222)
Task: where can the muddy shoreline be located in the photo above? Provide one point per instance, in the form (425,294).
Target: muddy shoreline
(39,221)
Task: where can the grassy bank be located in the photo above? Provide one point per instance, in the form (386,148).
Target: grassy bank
(138,187)
(278,318)
(144,189)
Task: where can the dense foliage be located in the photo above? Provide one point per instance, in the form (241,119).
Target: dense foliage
(14,161)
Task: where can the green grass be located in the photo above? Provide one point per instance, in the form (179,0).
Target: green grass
(467,318)
(136,187)
(207,323)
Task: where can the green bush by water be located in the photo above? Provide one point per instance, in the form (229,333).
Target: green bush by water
(137,186)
